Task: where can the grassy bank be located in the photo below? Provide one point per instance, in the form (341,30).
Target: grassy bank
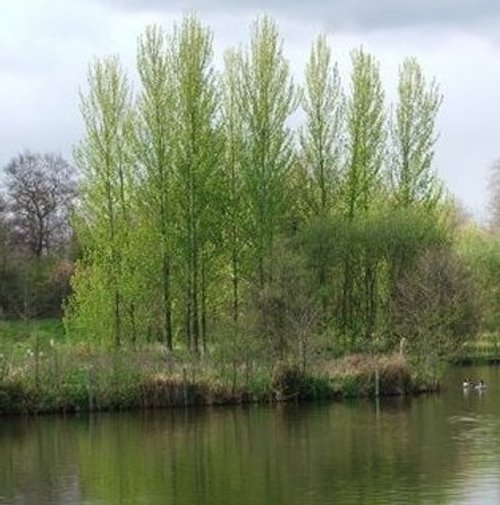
(485,349)
(40,373)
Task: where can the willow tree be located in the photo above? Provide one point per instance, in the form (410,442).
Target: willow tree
(153,147)
(322,138)
(195,157)
(413,133)
(99,302)
(361,186)
(268,98)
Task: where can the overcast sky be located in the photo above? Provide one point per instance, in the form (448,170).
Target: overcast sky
(46,46)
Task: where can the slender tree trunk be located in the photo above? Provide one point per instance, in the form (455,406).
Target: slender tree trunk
(196,312)
(347,295)
(370,298)
(117,318)
(235,280)
(188,322)
(167,303)
(132,323)
(203,306)
(167,298)
(113,267)
(324,297)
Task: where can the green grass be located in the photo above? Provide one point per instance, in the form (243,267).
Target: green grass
(486,348)
(28,333)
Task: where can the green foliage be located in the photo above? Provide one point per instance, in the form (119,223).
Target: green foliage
(481,253)
(235,217)
(339,250)
(153,148)
(366,135)
(268,98)
(317,387)
(206,226)
(198,179)
(103,223)
(322,138)
(230,259)
(350,387)
(413,138)
(259,386)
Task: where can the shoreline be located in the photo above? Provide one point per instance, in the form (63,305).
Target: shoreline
(113,383)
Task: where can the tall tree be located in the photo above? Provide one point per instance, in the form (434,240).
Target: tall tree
(154,148)
(322,138)
(232,128)
(268,98)
(196,156)
(361,187)
(413,138)
(322,141)
(365,135)
(104,158)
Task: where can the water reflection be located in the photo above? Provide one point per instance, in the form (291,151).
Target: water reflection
(436,449)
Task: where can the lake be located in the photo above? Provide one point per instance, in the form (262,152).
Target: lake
(430,449)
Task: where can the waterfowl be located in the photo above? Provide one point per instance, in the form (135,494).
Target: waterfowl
(481,385)
(467,383)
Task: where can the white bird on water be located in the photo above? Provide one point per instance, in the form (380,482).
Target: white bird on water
(468,384)
(481,386)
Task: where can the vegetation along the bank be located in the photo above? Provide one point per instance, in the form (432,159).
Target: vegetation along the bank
(236,236)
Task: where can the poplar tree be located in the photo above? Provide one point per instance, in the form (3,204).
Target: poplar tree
(414,135)
(268,98)
(188,193)
(104,159)
(413,181)
(321,140)
(197,172)
(232,129)
(321,143)
(154,150)
(362,184)
(366,135)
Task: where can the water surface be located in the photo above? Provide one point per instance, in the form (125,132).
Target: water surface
(431,449)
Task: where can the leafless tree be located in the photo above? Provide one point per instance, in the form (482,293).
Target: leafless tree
(435,307)
(40,189)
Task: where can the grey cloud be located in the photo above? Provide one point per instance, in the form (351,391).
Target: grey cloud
(47,44)
(338,14)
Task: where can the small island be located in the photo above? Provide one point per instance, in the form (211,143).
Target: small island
(230,234)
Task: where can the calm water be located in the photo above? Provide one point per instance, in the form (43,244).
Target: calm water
(427,450)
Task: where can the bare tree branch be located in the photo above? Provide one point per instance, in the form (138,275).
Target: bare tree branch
(40,189)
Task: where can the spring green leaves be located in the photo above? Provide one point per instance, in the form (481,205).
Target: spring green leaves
(191,184)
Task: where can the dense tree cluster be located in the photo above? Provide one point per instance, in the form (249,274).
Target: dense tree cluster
(205,219)
(208,219)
